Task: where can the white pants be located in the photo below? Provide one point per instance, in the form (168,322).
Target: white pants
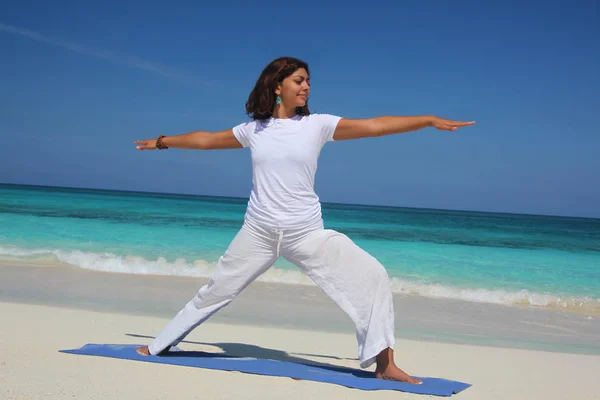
(354,279)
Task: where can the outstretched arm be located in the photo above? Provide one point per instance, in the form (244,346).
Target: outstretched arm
(362,128)
(199,140)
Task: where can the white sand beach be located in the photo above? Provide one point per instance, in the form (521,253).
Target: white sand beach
(31,366)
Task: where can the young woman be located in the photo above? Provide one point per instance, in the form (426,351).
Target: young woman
(283,217)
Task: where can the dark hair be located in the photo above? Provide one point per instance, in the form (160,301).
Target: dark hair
(261,101)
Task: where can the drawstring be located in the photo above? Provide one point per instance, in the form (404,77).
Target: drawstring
(280,233)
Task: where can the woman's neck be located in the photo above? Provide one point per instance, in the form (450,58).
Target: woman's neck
(281,112)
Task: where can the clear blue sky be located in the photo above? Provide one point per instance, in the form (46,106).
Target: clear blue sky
(79,82)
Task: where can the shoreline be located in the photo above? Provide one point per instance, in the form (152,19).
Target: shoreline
(281,275)
(302,307)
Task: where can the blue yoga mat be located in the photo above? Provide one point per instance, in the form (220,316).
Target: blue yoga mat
(353,378)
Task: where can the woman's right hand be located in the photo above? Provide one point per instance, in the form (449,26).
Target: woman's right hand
(149,144)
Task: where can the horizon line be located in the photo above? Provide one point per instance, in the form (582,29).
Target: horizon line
(322,202)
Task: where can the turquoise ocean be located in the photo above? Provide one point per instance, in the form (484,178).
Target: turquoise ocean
(510,259)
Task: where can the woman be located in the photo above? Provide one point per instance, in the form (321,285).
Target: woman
(283,217)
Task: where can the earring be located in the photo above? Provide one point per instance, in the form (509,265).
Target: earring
(278,100)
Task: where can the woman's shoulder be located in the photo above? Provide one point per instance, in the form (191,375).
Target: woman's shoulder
(323,118)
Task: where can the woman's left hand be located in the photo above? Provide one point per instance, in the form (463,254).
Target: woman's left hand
(448,125)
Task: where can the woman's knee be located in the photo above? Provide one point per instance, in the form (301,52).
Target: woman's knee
(378,271)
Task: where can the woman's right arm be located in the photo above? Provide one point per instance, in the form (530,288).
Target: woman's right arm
(195,140)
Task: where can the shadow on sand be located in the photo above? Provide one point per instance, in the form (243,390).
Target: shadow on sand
(242,350)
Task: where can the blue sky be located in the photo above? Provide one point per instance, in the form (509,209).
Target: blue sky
(79,83)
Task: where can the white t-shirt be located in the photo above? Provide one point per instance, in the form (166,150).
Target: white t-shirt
(284,164)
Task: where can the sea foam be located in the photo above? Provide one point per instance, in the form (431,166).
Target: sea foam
(108,262)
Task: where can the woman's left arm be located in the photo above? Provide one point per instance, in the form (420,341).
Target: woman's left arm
(363,128)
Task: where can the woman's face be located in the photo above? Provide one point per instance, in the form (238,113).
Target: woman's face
(295,89)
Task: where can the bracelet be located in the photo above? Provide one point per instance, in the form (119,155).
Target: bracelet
(159,143)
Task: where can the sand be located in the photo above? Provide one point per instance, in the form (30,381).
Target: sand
(48,309)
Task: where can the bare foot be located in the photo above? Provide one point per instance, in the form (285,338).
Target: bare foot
(144,351)
(387,369)
(394,373)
